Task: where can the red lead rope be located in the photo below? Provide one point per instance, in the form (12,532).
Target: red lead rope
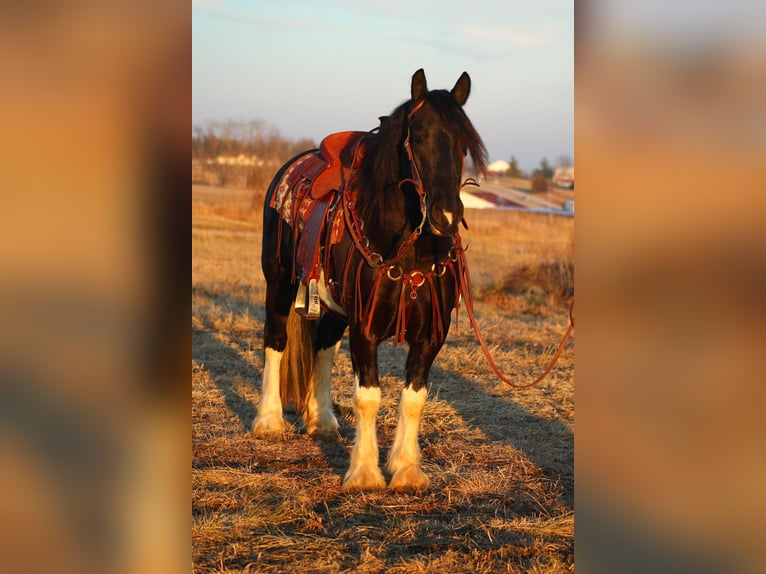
(463,280)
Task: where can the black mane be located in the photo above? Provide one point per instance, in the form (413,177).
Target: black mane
(454,116)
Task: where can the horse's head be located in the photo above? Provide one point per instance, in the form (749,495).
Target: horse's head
(438,137)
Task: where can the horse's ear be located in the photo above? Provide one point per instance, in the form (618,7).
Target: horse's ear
(419,89)
(462,88)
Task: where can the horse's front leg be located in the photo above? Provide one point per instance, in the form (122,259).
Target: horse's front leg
(364,471)
(404,456)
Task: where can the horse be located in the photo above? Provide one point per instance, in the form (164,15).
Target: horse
(362,234)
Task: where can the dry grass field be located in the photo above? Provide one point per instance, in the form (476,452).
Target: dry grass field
(501,460)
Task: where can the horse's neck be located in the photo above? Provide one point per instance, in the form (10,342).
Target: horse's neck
(385,219)
(389,215)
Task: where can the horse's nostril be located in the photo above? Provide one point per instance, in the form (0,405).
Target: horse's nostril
(443,222)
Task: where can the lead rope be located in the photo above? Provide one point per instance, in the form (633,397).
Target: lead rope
(464,284)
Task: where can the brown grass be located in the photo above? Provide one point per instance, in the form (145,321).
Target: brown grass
(501,461)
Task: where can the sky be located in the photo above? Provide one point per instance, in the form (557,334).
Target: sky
(310,68)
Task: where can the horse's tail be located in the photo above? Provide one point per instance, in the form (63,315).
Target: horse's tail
(297,361)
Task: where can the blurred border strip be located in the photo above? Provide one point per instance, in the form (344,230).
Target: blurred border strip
(95,109)
(671,256)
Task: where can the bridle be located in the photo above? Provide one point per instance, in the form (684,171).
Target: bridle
(415,180)
(362,243)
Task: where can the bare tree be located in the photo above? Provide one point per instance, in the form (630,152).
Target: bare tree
(564,161)
(261,143)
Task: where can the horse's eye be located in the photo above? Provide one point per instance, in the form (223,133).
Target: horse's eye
(418,137)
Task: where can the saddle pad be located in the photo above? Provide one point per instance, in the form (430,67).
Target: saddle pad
(285,193)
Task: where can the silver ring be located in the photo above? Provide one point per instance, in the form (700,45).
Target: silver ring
(398,277)
(441,266)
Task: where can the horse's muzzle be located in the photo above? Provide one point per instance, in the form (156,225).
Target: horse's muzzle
(445,221)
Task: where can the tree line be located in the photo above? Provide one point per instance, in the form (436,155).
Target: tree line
(254,138)
(545,170)
(541,174)
(265,149)
(261,144)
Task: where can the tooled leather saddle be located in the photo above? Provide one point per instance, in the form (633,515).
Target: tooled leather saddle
(307,197)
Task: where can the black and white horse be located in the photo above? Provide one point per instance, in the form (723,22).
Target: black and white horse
(390,272)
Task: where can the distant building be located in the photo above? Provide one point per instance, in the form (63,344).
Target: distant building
(473,201)
(498,167)
(564,177)
(241,159)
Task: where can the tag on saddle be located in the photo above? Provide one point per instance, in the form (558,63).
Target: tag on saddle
(314,308)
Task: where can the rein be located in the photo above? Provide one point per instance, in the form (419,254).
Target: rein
(463,279)
(414,279)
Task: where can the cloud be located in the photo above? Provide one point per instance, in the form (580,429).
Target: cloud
(285,20)
(493,39)
(485,42)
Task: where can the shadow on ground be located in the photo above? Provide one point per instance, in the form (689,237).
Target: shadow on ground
(547,443)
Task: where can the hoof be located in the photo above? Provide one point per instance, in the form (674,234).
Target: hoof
(268,426)
(409,478)
(364,478)
(323,429)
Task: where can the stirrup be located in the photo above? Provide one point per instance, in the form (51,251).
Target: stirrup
(307,303)
(300,299)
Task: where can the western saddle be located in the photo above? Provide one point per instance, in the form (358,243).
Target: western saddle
(307,196)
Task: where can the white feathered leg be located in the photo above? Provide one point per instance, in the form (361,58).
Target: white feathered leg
(269,419)
(404,458)
(364,471)
(319,419)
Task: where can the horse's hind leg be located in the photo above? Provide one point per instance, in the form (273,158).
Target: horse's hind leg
(269,419)
(279,297)
(319,418)
(404,456)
